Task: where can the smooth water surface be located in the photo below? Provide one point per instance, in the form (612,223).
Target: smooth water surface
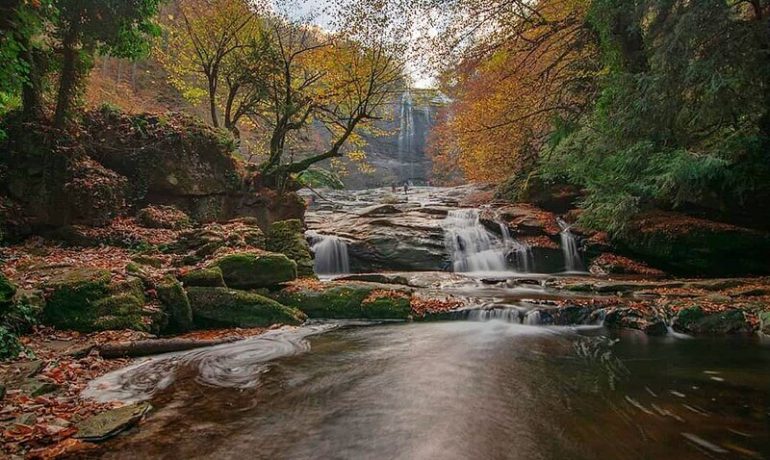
(458,390)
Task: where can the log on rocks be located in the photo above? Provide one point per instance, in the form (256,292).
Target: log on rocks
(139,348)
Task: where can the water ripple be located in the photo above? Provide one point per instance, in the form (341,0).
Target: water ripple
(232,365)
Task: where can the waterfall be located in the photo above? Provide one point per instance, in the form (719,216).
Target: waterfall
(533,318)
(572,260)
(331,255)
(523,257)
(471,246)
(490,312)
(406,137)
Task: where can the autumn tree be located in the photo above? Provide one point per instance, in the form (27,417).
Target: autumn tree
(218,51)
(521,68)
(325,79)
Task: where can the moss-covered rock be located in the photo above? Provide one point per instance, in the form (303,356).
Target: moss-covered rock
(206,277)
(7,291)
(110,423)
(119,311)
(132,286)
(83,299)
(288,237)
(148,261)
(176,303)
(72,294)
(685,245)
(354,300)
(213,307)
(248,270)
(696,321)
(167,217)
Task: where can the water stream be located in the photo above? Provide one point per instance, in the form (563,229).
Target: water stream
(498,381)
(487,389)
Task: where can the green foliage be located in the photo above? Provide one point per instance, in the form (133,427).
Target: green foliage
(315,177)
(10,347)
(679,117)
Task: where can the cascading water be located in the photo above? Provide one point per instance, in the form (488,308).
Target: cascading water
(331,254)
(471,246)
(573,262)
(406,137)
(523,257)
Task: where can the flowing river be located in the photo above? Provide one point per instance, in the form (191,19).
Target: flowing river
(482,386)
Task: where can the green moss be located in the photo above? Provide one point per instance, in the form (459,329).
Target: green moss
(118,305)
(207,277)
(177,305)
(114,323)
(229,307)
(120,311)
(341,302)
(251,271)
(7,291)
(149,261)
(72,295)
(132,286)
(288,237)
(10,347)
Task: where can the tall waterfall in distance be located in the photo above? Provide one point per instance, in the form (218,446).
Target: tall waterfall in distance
(406,140)
(471,246)
(331,254)
(573,262)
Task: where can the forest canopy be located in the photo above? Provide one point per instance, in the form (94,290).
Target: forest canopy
(642,103)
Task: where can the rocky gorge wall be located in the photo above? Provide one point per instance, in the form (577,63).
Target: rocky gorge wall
(117,164)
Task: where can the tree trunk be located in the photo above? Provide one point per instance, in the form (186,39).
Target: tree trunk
(148,347)
(32,90)
(69,79)
(133,76)
(213,100)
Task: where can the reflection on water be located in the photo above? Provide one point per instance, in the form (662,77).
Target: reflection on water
(462,389)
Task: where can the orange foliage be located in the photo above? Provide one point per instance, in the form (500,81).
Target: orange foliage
(508,94)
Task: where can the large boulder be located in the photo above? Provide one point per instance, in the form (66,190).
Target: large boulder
(205,277)
(410,240)
(697,321)
(43,187)
(175,300)
(167,217)
(686,245)
(522,219)
(251,270)
(83,299)
(216,307)
(552,195)
(348,300)
(288,237)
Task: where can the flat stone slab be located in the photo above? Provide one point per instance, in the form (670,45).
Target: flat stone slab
(103,426)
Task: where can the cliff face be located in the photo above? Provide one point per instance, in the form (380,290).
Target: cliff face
(116,164)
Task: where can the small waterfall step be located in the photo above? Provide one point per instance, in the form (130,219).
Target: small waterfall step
(331,254)
(573,261)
